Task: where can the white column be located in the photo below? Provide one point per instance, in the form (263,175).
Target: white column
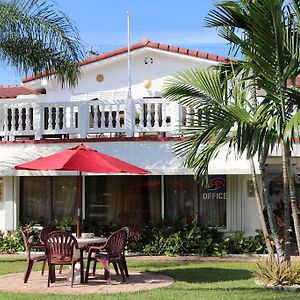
(38,121)
(83,119)
(129,116)
(176,116)
(9,203)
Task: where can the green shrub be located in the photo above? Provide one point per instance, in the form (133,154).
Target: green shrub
(238,243)
(275,272)
(10,243)
(183,237)
(179,237)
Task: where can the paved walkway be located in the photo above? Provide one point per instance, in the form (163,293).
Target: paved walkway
(136,282)
(38,284)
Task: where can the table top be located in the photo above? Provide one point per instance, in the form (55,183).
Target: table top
(94,240)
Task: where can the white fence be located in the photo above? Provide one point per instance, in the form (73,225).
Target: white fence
(90,115)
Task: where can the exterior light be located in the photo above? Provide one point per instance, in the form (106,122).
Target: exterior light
(147,84)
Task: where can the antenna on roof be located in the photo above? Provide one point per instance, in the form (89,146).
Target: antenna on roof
(91,52)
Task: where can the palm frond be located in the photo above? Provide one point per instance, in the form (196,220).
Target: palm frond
(36,37)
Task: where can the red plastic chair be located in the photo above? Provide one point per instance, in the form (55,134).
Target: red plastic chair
(43,234)
(31,260)
(60,246)
(111,252)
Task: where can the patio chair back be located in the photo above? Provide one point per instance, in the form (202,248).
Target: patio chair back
(46,230)
(60,246)
(114,253)
(116,243)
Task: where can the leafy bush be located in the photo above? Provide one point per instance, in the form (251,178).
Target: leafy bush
(275,272)
(238,243)
(184,237)
(180,237)
(10,243)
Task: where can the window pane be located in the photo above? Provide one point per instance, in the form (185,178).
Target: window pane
(129,200)
(35,200)
(180,196)
(64,198)
(47,199)
(212,202)
(96,198)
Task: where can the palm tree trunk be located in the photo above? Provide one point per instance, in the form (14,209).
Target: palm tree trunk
(287,204)
(294,205)
(270,211)
(260,209)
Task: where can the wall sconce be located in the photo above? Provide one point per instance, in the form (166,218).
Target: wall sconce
(147,84)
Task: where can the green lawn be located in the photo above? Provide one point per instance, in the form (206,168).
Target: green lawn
(194,280)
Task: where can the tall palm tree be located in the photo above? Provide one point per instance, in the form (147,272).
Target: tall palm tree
(35,37)
(267,33)
(224,116)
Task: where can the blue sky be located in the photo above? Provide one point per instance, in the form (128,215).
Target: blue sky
(103,25)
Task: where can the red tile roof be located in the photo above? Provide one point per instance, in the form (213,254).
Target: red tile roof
(12,91)
(147,43)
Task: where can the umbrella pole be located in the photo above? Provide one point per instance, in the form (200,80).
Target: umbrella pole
(78,196)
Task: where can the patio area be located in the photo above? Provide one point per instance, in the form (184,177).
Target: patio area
(37,284)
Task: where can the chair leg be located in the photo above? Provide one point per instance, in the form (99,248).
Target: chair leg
(125,265)
(43,268)
(107,275)
(87,269)
(53,276)
(60,268)
(72,278)
(49,274)
(28,270)
(121,266)
(116,268)
(94,268)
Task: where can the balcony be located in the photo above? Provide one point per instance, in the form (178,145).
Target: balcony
(91,115)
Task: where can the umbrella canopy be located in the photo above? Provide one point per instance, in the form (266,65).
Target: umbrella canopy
(82,159)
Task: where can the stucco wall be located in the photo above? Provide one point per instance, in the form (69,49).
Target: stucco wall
(115,72)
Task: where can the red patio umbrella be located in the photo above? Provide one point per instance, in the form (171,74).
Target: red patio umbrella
(82,159)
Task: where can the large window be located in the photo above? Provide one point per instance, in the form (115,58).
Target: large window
(181,196)
(130,200)
(186,198)
(212,202)
(47,199)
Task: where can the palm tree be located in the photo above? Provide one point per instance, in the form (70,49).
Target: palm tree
(267,33)
(36,37)
(223,117)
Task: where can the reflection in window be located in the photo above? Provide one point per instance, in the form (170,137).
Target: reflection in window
(212,202)
(130,200)
(47,199)
(180,197)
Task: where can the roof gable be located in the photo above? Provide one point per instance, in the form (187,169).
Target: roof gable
(144,44)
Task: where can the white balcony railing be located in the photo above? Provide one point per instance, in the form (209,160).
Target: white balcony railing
(91,115)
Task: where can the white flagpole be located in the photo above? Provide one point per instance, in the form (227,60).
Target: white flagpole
(129,58)
(129,109)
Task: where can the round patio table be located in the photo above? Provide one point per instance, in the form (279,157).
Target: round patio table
(83,244)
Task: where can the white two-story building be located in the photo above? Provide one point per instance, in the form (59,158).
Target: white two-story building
(39,118)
